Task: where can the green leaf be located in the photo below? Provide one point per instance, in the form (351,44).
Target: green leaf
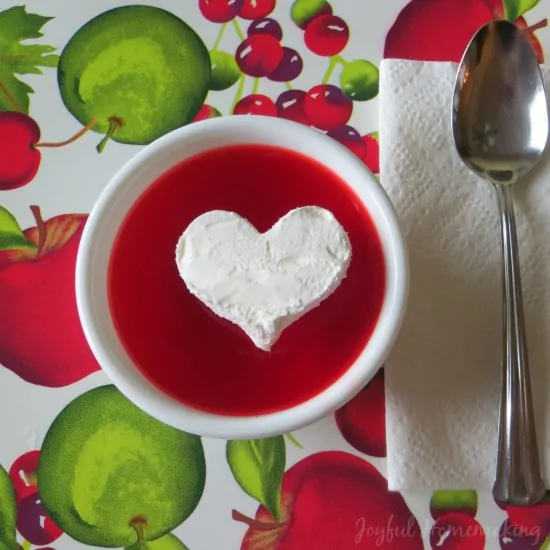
(16,58)
(11,236)
(258,466)
(8,512)
(516,8)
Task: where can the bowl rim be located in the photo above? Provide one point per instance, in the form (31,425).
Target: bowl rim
(92,303)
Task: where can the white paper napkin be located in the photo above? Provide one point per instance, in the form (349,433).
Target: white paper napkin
(443,376)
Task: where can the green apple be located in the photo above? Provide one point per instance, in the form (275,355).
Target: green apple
(109,475)
(138,72)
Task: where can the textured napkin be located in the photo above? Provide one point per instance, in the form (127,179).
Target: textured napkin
(443,376)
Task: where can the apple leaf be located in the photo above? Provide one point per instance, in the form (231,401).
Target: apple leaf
(258,466)
(8,512)
(11,236)
(17,58)
(516,8)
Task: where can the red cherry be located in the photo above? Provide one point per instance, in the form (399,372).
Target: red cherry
(265,26)
(34,524)
(327,107)
(326,9)
(19,160)
(23,475)
(457,531)
(290,105)
(362,421)
(220,11)
(350,138)
(206,112)
(256,9)
(289,68)
(259,55)
(371,156)
(255,104)
(327,35)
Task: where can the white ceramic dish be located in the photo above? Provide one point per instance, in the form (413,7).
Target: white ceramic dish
(137,175)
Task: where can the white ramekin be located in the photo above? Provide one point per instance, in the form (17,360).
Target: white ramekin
(137,175)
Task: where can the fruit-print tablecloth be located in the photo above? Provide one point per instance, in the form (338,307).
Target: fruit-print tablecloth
(83,86)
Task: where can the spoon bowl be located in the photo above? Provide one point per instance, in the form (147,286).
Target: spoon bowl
(500,130)
(500,114)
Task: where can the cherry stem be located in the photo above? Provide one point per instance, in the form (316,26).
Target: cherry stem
(254,523)
(239,93)
(331,66)
(540,25)
(219,37)
(41,228)
(114,124)
(26,545)
(238,29)
(78,135)
(256,85)
(342,61)
(294,440)
(288,85)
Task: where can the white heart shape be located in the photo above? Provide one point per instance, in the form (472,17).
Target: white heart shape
(263,282)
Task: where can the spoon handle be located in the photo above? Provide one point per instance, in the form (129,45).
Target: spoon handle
(518,477)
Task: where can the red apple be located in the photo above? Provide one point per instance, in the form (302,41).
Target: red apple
(371,156)
(19,159)
(457,531)
(206,112)
(530,519)
(41,339)
(512,537)
(23,475)
(440,30)
(362,421)
(334,500)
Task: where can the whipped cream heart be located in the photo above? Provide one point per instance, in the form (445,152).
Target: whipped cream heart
(263,282)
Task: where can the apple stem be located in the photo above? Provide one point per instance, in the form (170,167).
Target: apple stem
(540,25)
(114,124)
(72,139)
(41,227)
(254,523)
(139,524)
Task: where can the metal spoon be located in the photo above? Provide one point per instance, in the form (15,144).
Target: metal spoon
(500,129)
